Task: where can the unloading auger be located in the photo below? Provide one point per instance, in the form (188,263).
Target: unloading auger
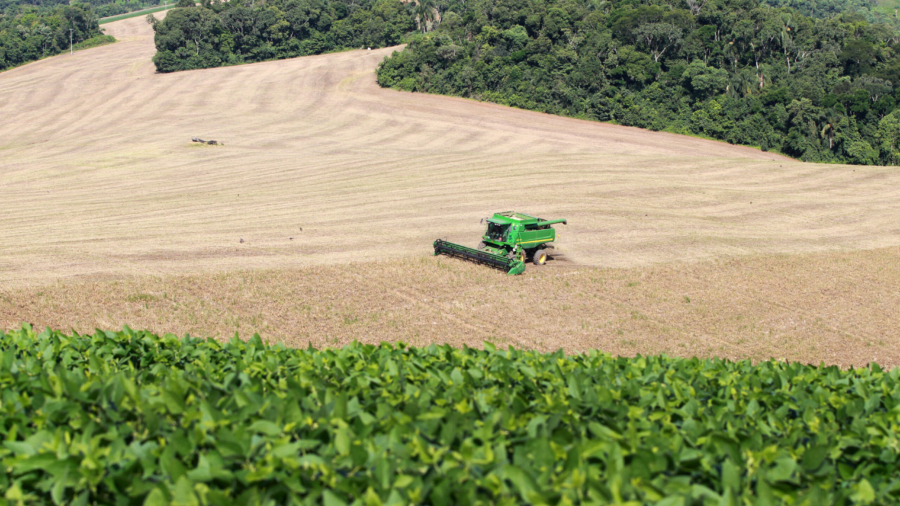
(510,240)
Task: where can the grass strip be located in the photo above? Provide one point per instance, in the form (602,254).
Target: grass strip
(136,418)
(100,40)
(127,15)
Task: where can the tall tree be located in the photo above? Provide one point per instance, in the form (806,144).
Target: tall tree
(426,11)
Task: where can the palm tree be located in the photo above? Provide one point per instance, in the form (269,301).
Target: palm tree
(425,12)
(832,122)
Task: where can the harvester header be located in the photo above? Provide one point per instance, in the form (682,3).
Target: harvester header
(508,242)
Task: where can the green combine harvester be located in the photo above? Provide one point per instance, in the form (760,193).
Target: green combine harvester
(509,241)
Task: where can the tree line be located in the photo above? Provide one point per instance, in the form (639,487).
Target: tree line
(101,8)
(217,33)
(30,32)
(822,90)
(818,86)
(874,11)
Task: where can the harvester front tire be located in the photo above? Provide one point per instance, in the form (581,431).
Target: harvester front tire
(540,257)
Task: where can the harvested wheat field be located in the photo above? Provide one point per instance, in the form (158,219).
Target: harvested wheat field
(314,222)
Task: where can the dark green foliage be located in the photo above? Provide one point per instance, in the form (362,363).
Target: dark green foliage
(29,33)
(99,40)
(130,418)
(873,11)
(229,33)
(101,8)
(735,70)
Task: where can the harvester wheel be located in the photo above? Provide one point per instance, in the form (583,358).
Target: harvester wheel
(540,257)
(522,255)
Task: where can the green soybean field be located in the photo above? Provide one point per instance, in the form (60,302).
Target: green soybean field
(131,417)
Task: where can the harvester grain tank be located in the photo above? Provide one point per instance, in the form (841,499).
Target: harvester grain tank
(508,242)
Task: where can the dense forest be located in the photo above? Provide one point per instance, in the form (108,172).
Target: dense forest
(874,11)
(107,8)
(101,8)
(818,87)
(735,70)
(239,31)
(29,32)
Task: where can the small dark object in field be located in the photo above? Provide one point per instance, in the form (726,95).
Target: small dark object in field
(212,143)
(197,139)
(291,238)
(241,241)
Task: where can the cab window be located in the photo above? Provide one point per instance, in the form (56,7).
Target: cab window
(497,232)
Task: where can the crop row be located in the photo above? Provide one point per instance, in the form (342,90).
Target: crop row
(134,418)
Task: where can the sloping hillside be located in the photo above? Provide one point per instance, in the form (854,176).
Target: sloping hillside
(112,215)
(101,177)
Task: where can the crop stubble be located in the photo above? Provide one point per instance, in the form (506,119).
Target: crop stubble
(103,190)
(837,308)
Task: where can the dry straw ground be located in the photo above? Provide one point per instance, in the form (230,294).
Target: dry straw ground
(679,245)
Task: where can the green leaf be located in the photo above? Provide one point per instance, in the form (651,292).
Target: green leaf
(603,432)
(287,450)
(156,498)
(332,499)
(731,476)
(434,414)
(395,499)
(813,457)
(784,468)
(342,441)
(403,481)
(58,492)
(265,427)
(689,454)
(14,493)
(523,482)
(671,501)
(202,471)
(20,448)
(371,498)
(184,493)
(864,493)
(174,402)
(310,460)
(82,499)
(573,386)
(40,461)
(358,454)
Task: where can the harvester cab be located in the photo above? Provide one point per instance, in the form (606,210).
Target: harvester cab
(508,242)
(496,231)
